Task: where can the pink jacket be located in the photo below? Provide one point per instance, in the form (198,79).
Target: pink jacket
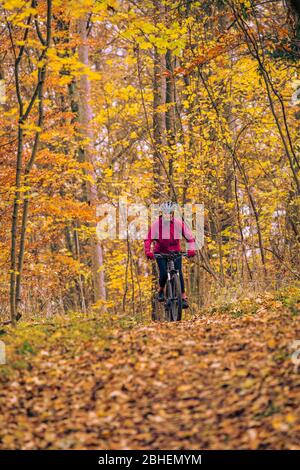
(167,235)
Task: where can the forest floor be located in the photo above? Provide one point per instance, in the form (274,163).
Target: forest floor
(223,379)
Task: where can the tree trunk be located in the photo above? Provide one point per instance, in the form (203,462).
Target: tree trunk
(85,118)
(17,258)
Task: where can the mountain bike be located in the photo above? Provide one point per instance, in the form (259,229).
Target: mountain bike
(173,294)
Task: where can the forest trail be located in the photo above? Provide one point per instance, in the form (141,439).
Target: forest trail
(218,380)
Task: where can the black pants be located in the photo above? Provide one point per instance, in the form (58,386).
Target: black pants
(162,266)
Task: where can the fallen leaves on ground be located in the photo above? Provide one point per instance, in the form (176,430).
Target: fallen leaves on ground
(215,381)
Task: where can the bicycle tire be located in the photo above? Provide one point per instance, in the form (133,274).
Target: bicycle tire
(174,299)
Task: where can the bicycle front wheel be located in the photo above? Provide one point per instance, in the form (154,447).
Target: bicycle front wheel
(174,299)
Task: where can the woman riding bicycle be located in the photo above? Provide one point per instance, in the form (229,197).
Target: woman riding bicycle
(167,231)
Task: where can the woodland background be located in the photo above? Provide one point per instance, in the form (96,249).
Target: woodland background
(190,100)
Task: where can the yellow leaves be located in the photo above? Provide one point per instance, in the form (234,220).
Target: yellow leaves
(132,109)
(57,62)
(54,61)
(101,117)
(133,135)
(20,11)
(92,74)
(146,27)
(271,343)
(163,37)
(248,383)
(291,418)
(109,88)
(12,4)
(56,335)
(30,127)
(126,93)
(246,3)
(70,63)
(283,423)
(108,172)
(69,263)
(241,372)
(11,113)
(65,80)
(11,271)
(184,388)
(144,45)
(79,8)
(19,5)
(8,440)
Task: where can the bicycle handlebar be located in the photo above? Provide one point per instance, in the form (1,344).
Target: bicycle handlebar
(172,254)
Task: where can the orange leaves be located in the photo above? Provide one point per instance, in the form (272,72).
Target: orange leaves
(200,60)
(211,382)
(65,208)
(222,46)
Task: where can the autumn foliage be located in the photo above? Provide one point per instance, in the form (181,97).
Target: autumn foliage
(196,98)
(194,101)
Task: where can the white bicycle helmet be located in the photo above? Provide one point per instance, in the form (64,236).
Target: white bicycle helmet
(168,207)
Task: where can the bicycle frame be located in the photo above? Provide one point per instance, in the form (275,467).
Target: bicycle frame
(173,303)
(171,268)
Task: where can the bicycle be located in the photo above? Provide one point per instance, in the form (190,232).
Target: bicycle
(173,302)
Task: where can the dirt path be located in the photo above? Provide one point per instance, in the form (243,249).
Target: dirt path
(212,382)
